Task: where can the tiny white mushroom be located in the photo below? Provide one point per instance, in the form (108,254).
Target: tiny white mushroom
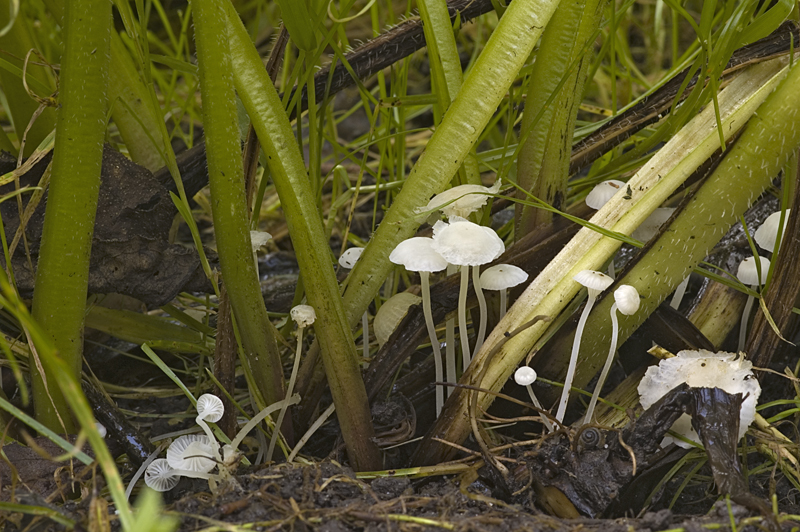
(160,476)
(209,408)
(467,244)
(525,376)
(603,192)
(767,233)
(748,273)
(258,239)
(417,255)
(595,282)
(702,369)
(626,300)
(500,278)
(191,452)
(304,316)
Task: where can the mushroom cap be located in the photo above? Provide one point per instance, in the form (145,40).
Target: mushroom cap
(210,407)
(259,239)
(192,452)
(748,274)
(303,315)
(349,257)
(391,314)
(502,276)
(767,233)
(468,199)
(602,192)
(702,369)
(416,254)
(648,228)
(593,280)
(159,475)
(464,243)
(525,375)
(627,299)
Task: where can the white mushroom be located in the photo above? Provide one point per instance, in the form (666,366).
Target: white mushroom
(595,282)
(749,274)
(702,369)
(465,199)
(626,300)
(767,234)
(193,453)
(500,278)
(209,408)
(304,316)
(467,244)
(160,476)
(525,376)
(417,255)
(602,192)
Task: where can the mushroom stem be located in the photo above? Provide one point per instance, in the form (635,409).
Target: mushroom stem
(462,318)
(289,389)
(573,359)
(503,303)
(748,308)
(677,297)
(437,352)
(476,284)
(606,367)
(450,344)
(212,439)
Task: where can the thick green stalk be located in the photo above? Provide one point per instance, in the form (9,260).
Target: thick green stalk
(553,289)
(543,162)
(230,211)
(483,89)
(59,297)
(128,98)
(310,244)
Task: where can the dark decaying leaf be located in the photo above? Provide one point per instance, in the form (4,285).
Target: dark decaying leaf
(131,252)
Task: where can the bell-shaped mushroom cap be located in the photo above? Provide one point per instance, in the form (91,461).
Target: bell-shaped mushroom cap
(192,452)
(464,243)
(767,233)
(602,192)
(502,276)
(593,280)
(748,274)
(303,315)
(160,476)
(349,257)
(648,228)
(525,375)
(468,199)
(210,407)
(702,369)
(391,314)
(627,299)
(417,255)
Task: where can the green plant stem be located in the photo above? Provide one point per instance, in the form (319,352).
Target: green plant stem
(483,89)
(543,162)
(311,246)
(62,275)
(230,211)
